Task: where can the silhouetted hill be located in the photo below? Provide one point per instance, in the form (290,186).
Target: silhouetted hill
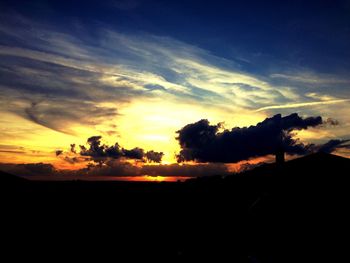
(318,175)
(273,210)
(310,165)
(10,178)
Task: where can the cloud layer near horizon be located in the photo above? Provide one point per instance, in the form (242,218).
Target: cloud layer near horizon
(115,169)
(208,147)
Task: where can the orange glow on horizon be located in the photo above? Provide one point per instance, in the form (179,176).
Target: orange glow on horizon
(140,178)
(158,178)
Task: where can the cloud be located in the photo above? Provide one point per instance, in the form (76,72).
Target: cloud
(128,66)
(332,145)
(72,148)
(135,153)
(111,168)
(203,142)
(115,168)
(191,170)
(12,149)
(73,160)
(29,169)
(331,122)
(155,87)
(58,152)
(60,117)
(68,81)
(119,168)
(123,67)
(311,78)
(101,152)
(302,104)
(56,113)
(154,156)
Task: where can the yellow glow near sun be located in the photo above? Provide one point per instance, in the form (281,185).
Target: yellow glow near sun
(150,124)
(37,142)
(155,178)
(313,134)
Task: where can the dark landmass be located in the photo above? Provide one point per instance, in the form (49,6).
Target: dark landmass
(273,213)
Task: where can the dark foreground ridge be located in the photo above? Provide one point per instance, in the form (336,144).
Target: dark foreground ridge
(273,213)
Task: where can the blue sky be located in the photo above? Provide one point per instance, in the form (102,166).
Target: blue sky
(136,71)
(299,33)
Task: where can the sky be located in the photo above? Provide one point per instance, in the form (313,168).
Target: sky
(137,72)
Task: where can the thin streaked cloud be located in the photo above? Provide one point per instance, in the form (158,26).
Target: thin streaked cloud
(303,104)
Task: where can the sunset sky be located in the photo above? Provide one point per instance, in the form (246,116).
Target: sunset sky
(136,72)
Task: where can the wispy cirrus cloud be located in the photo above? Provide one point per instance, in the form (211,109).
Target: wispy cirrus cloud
(311,78)
(137,61)
(303,104)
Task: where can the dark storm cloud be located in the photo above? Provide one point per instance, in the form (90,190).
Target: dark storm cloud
(332,145)
(135,153)
(154,156)
(100,152)
(203,142)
